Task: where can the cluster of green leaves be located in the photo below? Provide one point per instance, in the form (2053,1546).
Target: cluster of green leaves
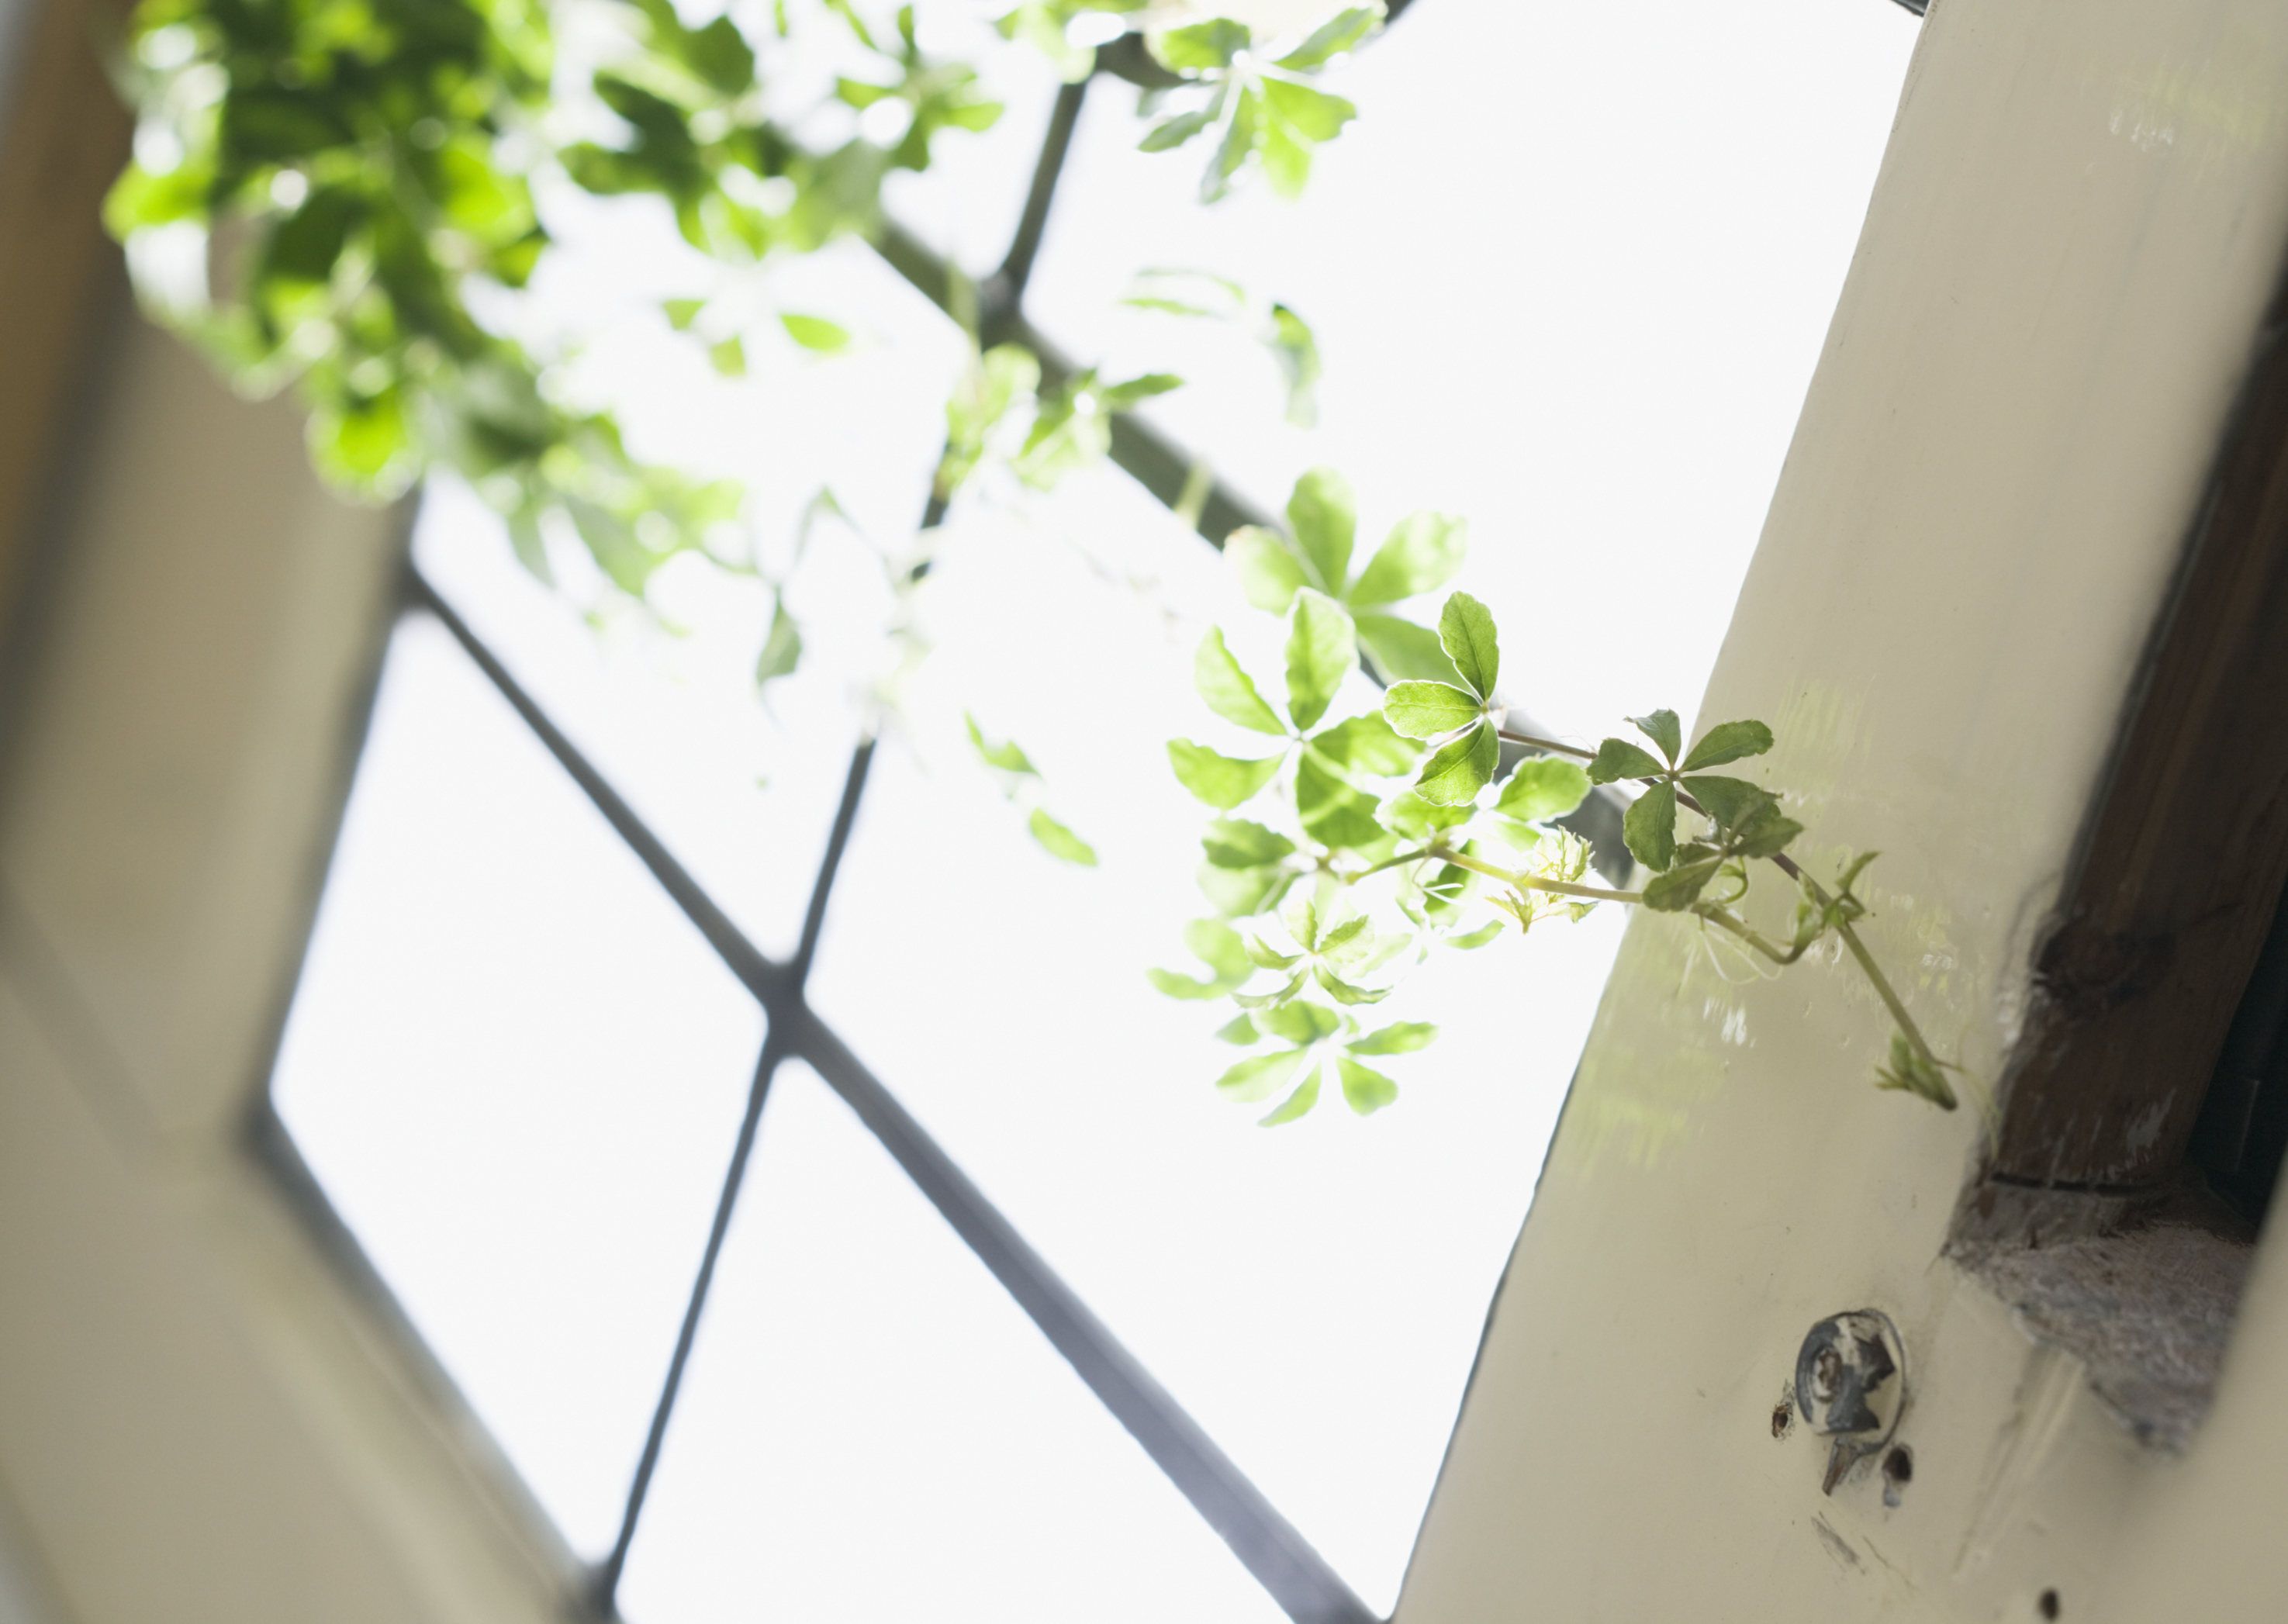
(1257,107)
(1021,779)
(1047,26)
(1416,800)
(1341,801)
(368,168)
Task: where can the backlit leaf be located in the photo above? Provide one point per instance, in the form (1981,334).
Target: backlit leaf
(1421,555)
(1322,650)
(1234,842)
(1402,1038)
(1459,771)
(1269,572)
(1323,515)
(1059,842)
(1229,692)
(1428,710)
(1465,628)
(1222,781)
(1299,1102)
(1259,1076)
(1542,786)
(1365,1092)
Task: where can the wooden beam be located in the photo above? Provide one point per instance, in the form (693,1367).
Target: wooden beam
(2179,867)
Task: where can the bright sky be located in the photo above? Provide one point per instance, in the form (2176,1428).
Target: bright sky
(1570,273)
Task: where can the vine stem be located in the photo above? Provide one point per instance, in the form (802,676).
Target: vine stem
(1785,864)
(1526,881)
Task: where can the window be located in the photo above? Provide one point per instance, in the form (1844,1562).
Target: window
(517,1072)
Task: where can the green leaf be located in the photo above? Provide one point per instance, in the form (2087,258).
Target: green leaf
(1428,709)
(1342,992)
(1680,886)
(1175,132)
(1006,756)
(1909,1072)
(1296,348)
(1229,692)
(1240,137)
(1421,555)
(1457,773)
(1241,1031)
(1301,918)
(1270,574)
(1402,650)
(1767,834)
(730,356)
(1272,1000)
(1365,1092)
(1233,843)
(1336,937)
(1543,788)
(1728,741)
(814,332)
(1465,628)
(1299,1102)
(1313,115)
(1301,1023)
(1126,396)
(1661,727)
(1365,744)
(682,312)
(1200,47)
(1731,802)
(1321,651)
(1222,781)
(1478,938)
(1649,827)
(1237,892)
(1263,958)
(1333,812)
(1338,34)
(1059,842)
(1259,1076)
(1617,758)
(1221,948)
(1324,517)
(1408,814)
(782,647)
(1404,1038)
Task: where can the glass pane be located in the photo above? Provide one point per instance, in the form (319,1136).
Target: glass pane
(517,1072)
(871,1430)
(1312,1293)
(1570,272)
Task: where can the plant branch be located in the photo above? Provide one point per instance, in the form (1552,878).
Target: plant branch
(1547,746)
(1527,882)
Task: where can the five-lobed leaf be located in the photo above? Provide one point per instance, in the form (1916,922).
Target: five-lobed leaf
(1222,781)
(1428,709)
(1465,629)
(1320,651)
(1229,691)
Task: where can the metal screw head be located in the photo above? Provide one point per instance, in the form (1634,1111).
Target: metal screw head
(1851,1384)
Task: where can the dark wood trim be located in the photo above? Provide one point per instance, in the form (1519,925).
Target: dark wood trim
(2179,865)
(67,138)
